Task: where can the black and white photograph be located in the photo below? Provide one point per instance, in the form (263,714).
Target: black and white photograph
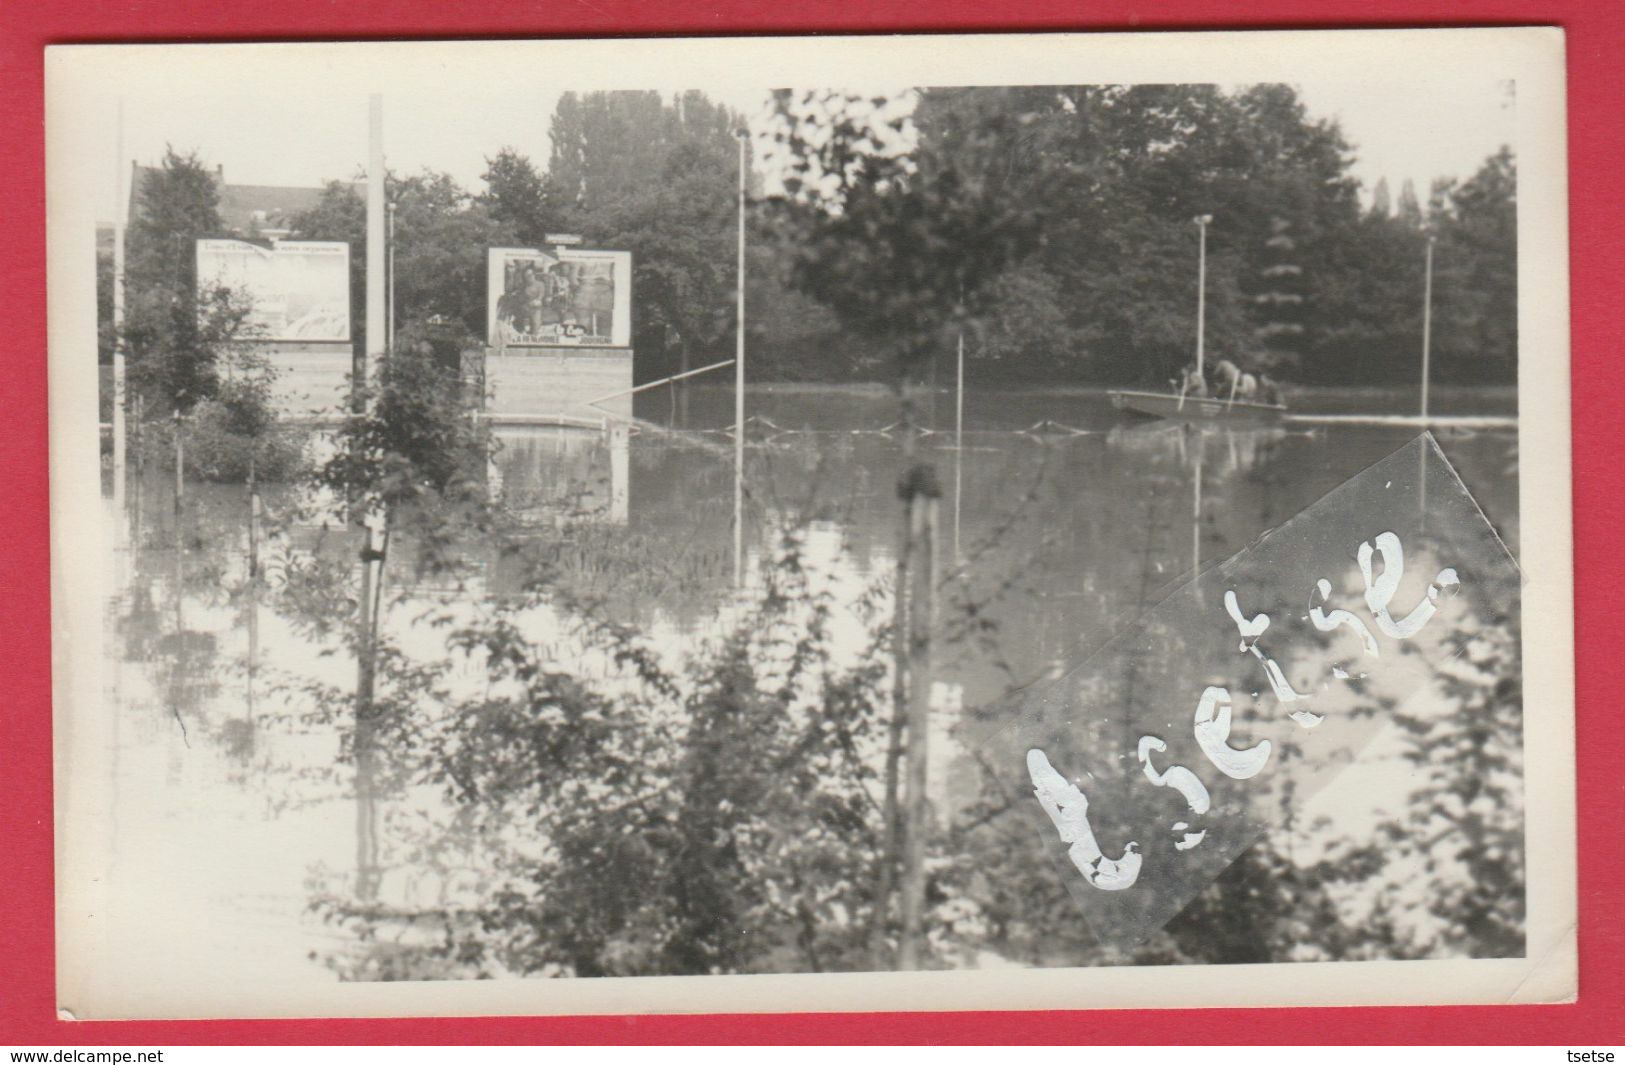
(787,523)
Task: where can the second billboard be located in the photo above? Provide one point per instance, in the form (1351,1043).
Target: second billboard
(566,297)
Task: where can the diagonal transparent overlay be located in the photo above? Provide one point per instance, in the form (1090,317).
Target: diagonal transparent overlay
(1152,765)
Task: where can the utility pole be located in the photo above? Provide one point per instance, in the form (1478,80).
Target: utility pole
(1427,322)
(743,136)
(366,638)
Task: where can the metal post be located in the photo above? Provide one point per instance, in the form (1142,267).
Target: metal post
(916,817)
(739,381)
(1427,323)
(390,333)
(1201,290)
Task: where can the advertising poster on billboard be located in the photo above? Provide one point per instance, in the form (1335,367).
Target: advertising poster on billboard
(565,297)
(300,290)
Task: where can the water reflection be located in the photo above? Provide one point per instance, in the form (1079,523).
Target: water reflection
(229,619)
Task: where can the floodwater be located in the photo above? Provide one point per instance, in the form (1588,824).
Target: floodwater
(205,806)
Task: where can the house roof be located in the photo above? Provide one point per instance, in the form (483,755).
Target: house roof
(245,210)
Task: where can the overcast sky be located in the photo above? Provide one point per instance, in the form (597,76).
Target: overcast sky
(1401,127)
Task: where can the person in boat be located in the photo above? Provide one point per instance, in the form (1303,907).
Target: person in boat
(1235,383)
(1191,383)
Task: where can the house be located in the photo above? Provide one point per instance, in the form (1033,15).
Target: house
(264,211)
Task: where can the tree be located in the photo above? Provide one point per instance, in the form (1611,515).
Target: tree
(658,178)
(176,336)
(901,246)
(1475,324)
(1381,201)
(515,196)
(341,214)
(441,237)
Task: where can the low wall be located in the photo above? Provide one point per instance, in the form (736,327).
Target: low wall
(542,383)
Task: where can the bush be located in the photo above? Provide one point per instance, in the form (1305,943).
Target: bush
(217,448)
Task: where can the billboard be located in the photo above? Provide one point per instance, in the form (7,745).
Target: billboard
(566,297)
(300,288)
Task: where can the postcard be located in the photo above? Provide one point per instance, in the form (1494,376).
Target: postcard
(811,524)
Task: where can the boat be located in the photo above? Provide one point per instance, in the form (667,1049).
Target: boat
(1192,408)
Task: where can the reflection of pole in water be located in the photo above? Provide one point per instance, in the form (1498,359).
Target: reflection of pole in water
(253,589)
(619,472)
(1196,505)
(178,579)
(959,441)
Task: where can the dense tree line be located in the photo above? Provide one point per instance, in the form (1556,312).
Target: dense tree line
(1301,280)
(1084,251)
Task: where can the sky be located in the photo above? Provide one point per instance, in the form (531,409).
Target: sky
(1400,126)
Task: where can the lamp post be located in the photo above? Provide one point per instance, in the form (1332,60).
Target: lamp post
(1427,321)
(1202,221)
(743,136)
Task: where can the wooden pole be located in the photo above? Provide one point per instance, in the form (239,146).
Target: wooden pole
(923,508)
(366,637)
(891,815)
(366,823)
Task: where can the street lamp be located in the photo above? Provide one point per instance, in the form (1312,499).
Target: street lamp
(1427,319)
(743,136)
(1202,222)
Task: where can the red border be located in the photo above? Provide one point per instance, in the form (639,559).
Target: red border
(1596,160)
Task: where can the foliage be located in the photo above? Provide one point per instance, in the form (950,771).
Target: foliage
(516,197)
(658,178)
(705,817)
(1300,281)
(177,337)
(232,436)
(1475,322)
(441,237)
(412,451)
(900,247)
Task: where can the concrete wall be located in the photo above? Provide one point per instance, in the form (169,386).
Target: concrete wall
(557,382)
(311,381)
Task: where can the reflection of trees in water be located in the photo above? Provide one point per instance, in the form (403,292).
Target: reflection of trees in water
(711,817)
(539,814)
(1440,874)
